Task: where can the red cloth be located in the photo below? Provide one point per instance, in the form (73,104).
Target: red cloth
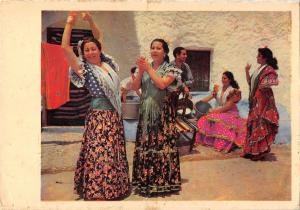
(55,76)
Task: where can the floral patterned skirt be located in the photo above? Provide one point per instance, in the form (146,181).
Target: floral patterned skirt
(156,166)
(262,123)
(223,131)
(102,167)
(260,136)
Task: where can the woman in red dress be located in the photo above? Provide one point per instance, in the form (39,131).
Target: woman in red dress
(262,124)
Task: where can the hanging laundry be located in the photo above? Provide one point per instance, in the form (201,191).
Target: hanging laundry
(55,76)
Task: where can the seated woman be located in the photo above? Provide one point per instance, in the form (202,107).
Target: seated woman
(223,128)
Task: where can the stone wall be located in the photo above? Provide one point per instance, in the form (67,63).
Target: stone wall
(232,37)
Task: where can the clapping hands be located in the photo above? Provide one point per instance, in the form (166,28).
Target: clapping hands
(143,64)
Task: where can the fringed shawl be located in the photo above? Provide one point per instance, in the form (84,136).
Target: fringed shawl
(152,97)
(110,86)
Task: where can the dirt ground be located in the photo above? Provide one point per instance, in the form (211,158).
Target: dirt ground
(206,174)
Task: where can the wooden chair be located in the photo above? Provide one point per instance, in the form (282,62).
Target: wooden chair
(186,126)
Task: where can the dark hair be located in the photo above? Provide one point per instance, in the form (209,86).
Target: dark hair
(268,55)
(165,47)
(177,51)
(88,40)
(230,76)
(133,69)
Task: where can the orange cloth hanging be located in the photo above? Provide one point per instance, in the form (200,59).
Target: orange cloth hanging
(55,76)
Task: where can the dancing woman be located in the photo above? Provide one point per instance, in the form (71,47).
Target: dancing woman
(262,124)
(102,167)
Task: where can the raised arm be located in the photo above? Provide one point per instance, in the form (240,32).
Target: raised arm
(95,30)
(247,70)
(208,98)
(161,82)
(65,44)
(212,95)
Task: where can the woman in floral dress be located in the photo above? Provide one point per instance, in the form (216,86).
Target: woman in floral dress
(102,167)
(156,168)
(262,124)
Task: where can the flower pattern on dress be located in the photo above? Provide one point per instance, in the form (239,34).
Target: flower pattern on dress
(102,167)
(263,118)
(156,167)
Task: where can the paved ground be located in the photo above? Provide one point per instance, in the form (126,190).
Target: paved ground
(206,174)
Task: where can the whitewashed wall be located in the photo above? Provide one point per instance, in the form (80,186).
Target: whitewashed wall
(119,34)
(233,38)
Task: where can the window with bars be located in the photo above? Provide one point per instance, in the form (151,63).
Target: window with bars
(199,62)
